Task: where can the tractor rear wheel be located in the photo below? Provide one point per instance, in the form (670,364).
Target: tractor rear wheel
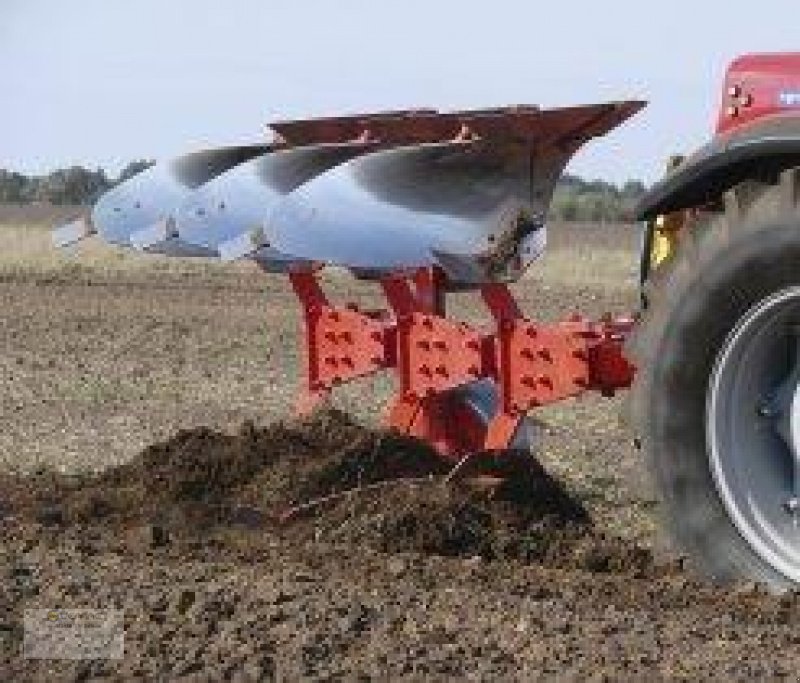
(716,402)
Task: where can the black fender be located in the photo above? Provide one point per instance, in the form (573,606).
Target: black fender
(761,149)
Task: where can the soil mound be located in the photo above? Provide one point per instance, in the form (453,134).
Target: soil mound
(327,477)
(282,464)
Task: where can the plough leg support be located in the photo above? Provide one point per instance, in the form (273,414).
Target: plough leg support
(436,359)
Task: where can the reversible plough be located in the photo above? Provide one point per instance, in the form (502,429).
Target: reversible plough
(423,202)
(426,203)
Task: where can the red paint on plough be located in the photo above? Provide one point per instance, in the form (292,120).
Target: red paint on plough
(432,356)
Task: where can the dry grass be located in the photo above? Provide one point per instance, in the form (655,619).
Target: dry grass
(578,255)
(26,251)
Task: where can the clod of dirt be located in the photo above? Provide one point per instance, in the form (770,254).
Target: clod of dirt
(278,465)
(352,484)
(530,518)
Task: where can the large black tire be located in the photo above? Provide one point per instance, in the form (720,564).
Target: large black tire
(726,263)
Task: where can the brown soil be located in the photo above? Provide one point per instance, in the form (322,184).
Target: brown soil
(378,488)
(380,515)
(262,547)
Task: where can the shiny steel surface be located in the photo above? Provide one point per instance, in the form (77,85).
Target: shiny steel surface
(72,233)
(161,238)
(154,194)
(466,190)
(376,192)
(464,205)
(482,397)
(235,205)
(253,244)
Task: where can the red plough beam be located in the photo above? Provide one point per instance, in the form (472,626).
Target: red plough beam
(530,364)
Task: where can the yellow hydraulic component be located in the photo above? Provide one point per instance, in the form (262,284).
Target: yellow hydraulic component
(665,237)
(667,227)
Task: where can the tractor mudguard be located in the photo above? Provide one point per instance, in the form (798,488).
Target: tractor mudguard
(763,148)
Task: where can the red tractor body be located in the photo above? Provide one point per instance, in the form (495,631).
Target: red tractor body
(758,86)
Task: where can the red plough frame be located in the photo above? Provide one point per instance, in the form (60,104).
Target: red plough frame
(531,364)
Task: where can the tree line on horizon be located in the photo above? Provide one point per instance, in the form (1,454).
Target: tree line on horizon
(75,185)
(575,199)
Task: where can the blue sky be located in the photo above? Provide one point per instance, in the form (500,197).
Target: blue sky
(99,82)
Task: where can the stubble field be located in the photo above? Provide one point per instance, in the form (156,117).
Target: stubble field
(147,444)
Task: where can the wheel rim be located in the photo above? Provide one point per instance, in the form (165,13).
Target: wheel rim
(753,429)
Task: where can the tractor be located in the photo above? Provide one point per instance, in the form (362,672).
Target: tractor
(426,203)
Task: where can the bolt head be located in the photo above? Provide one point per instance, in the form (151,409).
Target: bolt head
(767,410)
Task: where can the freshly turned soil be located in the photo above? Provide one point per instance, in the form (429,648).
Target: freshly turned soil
(148,463)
